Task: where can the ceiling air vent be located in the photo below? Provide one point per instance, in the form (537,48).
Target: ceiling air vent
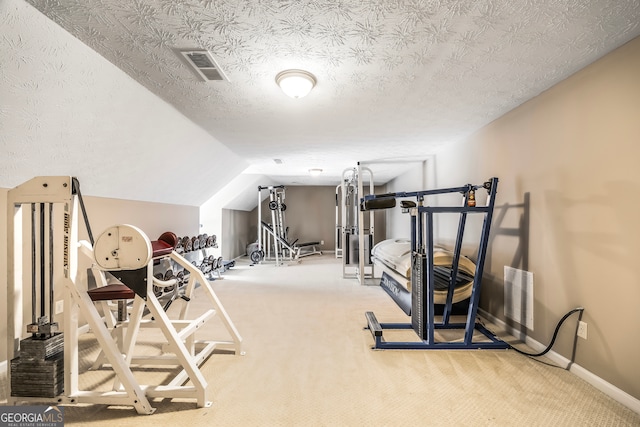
(204,65)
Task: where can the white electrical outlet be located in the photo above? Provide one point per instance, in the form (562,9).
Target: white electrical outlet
(59,306)
(582,330)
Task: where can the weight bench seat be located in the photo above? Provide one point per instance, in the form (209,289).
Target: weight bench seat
(302,245)
(309,247)
(114,291)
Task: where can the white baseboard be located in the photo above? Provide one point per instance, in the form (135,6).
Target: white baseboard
(607,388)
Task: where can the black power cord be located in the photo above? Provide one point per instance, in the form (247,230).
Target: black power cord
(555,334)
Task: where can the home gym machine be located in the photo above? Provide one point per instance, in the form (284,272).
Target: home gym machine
(353,231)
(422,271)
(274,235)
(45,362)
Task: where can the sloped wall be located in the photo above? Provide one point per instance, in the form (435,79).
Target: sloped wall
(67,111)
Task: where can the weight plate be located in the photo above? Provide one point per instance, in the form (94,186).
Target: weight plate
(256,256)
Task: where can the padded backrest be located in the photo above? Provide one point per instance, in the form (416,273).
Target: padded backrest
(170,238)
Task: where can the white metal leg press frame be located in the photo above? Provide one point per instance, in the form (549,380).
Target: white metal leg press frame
(126,253)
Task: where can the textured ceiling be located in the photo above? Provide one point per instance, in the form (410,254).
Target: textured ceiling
(396,79)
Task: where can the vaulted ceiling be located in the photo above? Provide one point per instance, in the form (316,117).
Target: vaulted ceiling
(395,79)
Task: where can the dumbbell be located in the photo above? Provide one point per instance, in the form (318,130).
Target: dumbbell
(180,278)
(157,290)
(187,244)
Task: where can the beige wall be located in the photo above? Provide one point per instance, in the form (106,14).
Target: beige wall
(236,233)
(573,150)
(152,218)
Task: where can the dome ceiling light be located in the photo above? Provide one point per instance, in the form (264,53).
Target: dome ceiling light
(296,83)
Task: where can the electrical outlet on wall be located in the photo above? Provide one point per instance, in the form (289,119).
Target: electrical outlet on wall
(582,329)
(59,306)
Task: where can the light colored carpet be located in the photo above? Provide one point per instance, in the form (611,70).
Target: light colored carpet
(308,362)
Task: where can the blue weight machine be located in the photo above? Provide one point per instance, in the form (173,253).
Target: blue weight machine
(422,311)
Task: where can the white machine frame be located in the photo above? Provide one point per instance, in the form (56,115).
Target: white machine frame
(116,344)
(364,269)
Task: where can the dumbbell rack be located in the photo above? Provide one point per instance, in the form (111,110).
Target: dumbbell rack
(197,250)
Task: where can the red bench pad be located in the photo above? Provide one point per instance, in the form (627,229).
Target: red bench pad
(166,243)
(111,292)
(160,248)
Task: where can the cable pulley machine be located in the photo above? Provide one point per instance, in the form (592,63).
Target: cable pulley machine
(274,236)
(276,230)
(354,229)
(423,320)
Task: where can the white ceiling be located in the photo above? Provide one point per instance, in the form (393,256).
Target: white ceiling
(396,79)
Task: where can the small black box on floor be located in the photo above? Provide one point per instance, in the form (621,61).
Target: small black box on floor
(39,370)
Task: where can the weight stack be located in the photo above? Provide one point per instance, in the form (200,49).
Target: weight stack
(39,370)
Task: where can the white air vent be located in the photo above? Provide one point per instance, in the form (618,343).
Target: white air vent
(204,65)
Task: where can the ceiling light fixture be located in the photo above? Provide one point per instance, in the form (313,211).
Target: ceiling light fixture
(296,83)
(315,172)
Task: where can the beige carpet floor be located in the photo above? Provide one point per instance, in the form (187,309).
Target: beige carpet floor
(308,362)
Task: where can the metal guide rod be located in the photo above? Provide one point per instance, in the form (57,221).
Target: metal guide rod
(456,260)
(34,300)
(51,261)
(42,266)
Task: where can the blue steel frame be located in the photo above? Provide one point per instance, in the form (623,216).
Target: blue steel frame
(422,276)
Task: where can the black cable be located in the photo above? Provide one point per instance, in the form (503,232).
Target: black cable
(555,334)
(76,189)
